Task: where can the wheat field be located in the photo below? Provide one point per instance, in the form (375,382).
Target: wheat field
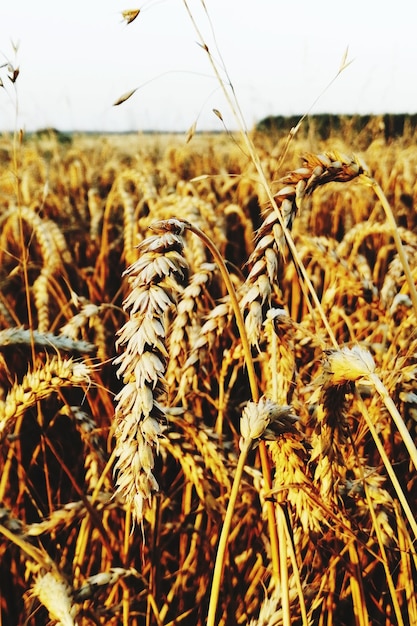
(208,408)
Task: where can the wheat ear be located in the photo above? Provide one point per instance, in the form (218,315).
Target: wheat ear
(39,384)
(264,262)
(154,280)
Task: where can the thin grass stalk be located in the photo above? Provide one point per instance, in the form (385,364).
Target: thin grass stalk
(380,539)
(93,513)
(44,456)
(273,359)
(388,466)
(224,536)
(154,571)
(80,548)
(222,394)
(235,304)
(384,559)
(396,416)
(296,573)
(397,239)
(17,139)
(283,561)
(186,566)
(9,462)
(356,586)
(407,580)
(262,419)
(102,477)
(326,619)
(155,612)
(126,537)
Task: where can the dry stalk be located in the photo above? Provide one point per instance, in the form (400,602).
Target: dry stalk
(259,420)
(396,235)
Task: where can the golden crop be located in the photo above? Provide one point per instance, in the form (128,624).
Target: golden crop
(208,386)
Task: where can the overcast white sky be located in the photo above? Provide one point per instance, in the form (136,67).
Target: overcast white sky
(77,58)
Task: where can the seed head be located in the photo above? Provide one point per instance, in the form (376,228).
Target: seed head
(54,593)
(347,365)
(265,419)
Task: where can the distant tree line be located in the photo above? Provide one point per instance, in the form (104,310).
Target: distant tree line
(325,125)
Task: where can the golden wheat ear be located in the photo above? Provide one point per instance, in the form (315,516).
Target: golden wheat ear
(40,383)
(154,280)
(266,259)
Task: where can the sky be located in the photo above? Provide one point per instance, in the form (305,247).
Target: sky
(76,59)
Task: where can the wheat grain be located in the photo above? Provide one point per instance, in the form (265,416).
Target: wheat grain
(341,369)
(52,243)
(68,514)
(104,579)
(279,365)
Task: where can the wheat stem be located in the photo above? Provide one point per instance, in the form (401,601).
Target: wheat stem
(385,561)
(224,536)
(235,304)
(265,463)
(296,572)
(283,559)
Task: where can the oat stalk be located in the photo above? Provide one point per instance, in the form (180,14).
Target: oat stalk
(238,115)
